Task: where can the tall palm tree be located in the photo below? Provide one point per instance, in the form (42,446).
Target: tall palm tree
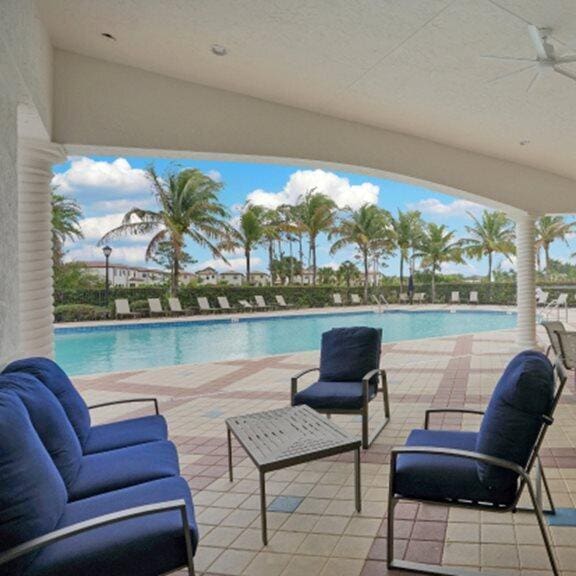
(247,235)
(317,214)
(548,230)
(188,206)
(493,234)
(439,246)
(368,229)
(66,216)
(347,272)
(408,230)
(271,232)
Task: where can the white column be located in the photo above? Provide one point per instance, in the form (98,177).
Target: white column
(36,318)
(526,286)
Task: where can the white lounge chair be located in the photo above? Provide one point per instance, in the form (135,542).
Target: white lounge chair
(224,304)
(455,298)
(355,299)
(204,305)
(245,304)
(176,307)
(541,298)
(282,303)
(123,309)
(419,297)
(403,298)
(261,303)
(337,298)
(156,307)
(473,297)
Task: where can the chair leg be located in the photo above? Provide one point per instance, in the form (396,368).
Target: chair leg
(543,528)
(385,397)
(365,439)
(546,488)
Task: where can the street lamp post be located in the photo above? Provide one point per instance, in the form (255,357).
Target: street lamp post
(107,251)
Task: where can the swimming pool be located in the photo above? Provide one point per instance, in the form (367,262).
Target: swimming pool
(138,346)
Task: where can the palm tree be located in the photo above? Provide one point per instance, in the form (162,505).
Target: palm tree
(271,233)
(548,230)
(493,234)
(347,272)
(408,230)
(368,229)
(317,213)
(248,234)
(188,206)
(437,247)
(66,216)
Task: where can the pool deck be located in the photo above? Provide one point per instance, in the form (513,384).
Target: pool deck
(316,530)
(280,313)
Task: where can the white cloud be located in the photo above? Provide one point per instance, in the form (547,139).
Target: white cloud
(215,175)
(122,254)
(123,206)
(508,265)
(339,189)
(235,264)
(87,174)
(465,269)
(435,207)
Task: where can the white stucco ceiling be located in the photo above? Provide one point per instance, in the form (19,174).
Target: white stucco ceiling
(408,65)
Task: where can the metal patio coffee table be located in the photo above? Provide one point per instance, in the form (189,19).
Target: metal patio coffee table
(286,437)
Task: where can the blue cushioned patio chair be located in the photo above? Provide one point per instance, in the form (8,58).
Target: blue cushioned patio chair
(485,470)
(93,439)
(349,379)
(148,529)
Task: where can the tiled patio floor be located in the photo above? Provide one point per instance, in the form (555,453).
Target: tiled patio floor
(324,535)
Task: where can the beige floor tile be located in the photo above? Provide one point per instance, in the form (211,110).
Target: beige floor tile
(232,562)
(499,555)
(342,567)
(305,566)
(318,545)
(463,532)
(353,547)
(460,554)
(267,564)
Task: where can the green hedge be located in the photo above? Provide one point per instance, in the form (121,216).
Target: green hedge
(301,296)
(79,312)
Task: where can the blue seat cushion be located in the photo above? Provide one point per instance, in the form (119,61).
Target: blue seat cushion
(53,377)
(125,467)
(50,422)
(348,354)
(444,478)
(333,395)
(32,492)
(146,546)
(513,419)
(126,433)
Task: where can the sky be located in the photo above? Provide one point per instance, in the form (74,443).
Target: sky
(107,187)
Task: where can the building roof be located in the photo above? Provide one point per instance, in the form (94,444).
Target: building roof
(207,270)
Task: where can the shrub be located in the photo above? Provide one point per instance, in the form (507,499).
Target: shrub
(79,312)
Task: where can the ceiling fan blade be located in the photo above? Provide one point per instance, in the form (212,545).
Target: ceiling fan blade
(513,73)
(533,81)
(570,75)
(538,42)
(566,59)
(508,58)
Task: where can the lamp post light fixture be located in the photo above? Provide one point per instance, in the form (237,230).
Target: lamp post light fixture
(107,251)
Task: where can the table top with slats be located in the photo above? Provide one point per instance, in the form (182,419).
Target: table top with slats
(288,436)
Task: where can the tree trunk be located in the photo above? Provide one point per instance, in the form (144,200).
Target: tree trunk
(313,253)
(301,254)
(401,272)
(433,284)
(366,276)
(247,254)
(490,276)
(175,274)
(271,260)
(547,257)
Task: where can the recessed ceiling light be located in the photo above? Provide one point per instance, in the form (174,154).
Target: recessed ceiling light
(524,142)
(219,50)
(108,36)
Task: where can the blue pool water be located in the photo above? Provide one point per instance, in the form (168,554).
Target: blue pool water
(132,347)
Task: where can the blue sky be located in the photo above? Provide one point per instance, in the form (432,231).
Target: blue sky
(106,187)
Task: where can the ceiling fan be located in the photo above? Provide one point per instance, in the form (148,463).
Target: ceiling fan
(546,61)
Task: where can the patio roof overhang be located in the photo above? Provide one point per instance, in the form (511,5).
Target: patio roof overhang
(410,117)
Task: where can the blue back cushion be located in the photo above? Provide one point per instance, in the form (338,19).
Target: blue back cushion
(349,353)
(513,420)
(56,380)
(32,493)
(50,422)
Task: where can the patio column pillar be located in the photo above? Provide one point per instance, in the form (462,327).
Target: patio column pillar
(36,318)
(526,286)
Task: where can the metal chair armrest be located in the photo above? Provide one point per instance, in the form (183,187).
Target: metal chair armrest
(80,527)
(452,410)
(127,401)
(366,380)
(484,458)
(294,381)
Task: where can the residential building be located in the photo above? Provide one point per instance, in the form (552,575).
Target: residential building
(260,279)
(207,276)
(122,275)
(232,278)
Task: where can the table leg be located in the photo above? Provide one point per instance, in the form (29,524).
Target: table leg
(230,474)
(358,485)
(263,509)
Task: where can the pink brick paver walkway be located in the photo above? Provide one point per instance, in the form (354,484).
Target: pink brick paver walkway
(324,535)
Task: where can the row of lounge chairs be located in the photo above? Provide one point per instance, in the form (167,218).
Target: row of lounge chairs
(122,306)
